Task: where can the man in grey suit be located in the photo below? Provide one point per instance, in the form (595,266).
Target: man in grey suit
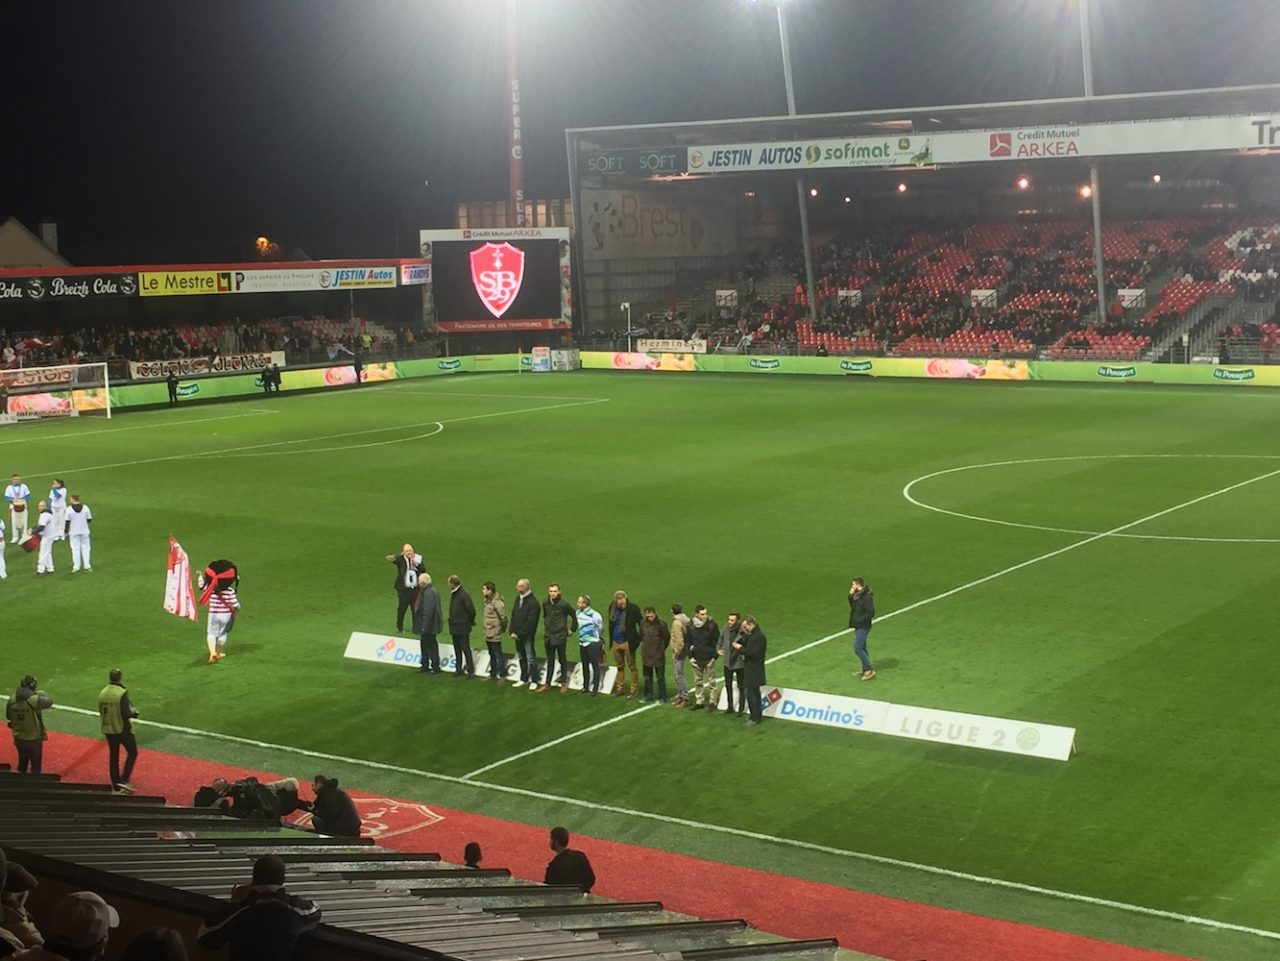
(428,623)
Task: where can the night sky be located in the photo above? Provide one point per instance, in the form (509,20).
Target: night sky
(168,131)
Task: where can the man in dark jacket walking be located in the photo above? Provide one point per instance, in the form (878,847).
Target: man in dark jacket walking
(703,636)
(753,646)
(428,622)
(862,609)
(263,921)
(622,624)
(558,620)
(523,625)
(462,618)
(408,566)
(25,714)
(332,812)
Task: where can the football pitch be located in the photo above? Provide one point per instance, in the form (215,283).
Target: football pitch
(1104,558)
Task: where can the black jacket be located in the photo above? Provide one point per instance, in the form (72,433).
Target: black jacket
(861,609)
(263,925)
(630,623)
(702,641)
(524,616)
(754,646)
(571,867)
(334,812)
(559,620)
(402,563)
(462,612)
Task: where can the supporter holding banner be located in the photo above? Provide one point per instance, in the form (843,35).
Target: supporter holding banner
(194,366)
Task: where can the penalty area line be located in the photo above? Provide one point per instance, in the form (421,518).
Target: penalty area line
(709,826)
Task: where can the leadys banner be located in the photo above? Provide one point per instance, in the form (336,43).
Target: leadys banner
(799,155)
(46,287)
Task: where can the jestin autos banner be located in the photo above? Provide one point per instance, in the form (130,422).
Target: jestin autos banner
(194,366)
(800,155)
(48,287)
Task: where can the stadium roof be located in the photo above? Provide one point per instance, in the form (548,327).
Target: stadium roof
(1215,101)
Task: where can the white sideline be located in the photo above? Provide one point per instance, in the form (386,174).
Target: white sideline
(255,412)
(910,607)
(304,440)
(709,826)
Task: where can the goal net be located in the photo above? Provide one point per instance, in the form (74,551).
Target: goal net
(69,390)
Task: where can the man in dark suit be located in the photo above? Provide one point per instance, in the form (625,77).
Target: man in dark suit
(408,567)
(523,625)
(753,645)
(462,618)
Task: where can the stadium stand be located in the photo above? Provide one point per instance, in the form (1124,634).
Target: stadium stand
(161,865)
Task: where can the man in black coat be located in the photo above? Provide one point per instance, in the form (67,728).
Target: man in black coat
(333,812)
(523,625)
(622,625)
(568,866)
(408,567)
(753,645)
(462,618)
(559,620)
(262,920)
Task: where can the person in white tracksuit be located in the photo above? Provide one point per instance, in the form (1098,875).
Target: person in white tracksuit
(4,571)
(79,517)
(21,493)
(58,508)
(44,528)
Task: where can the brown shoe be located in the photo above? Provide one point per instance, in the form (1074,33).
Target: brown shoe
(564,688)
(678,703)
(502,680)
(543,687)
(868,675)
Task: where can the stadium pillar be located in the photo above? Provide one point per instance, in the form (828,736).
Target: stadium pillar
(1095,195)
(801,193)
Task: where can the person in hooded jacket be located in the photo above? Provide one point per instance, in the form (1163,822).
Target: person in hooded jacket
(24,713)
(679,653)
(333,812)
(703,636)
(263,921)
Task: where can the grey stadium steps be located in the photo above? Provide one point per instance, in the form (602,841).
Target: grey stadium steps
(377,904)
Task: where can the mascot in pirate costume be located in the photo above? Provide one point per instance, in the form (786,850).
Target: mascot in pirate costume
(218,584)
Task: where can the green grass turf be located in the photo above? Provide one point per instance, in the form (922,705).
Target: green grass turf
(751,493)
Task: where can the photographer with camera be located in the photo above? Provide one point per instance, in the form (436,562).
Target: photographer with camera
(24,713)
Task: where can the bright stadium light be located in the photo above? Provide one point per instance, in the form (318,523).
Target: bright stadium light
(848,199)
(1155,178)
(1085,191)
(813,191)
(1022,183)
(902,188)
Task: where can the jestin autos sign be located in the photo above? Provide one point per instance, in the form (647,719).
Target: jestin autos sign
(857,152)
(67,287)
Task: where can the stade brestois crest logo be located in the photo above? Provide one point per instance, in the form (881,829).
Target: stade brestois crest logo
(1120,372)
(1221,373)
(497,271)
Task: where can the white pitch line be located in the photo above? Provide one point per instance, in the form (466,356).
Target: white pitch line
(710,826)
(902,610)
(304,440)
(256,412)
(560,740)
(1035,560)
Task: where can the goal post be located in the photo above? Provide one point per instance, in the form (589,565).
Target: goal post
(65,390)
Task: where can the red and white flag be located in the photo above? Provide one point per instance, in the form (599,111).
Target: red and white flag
(179,596)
